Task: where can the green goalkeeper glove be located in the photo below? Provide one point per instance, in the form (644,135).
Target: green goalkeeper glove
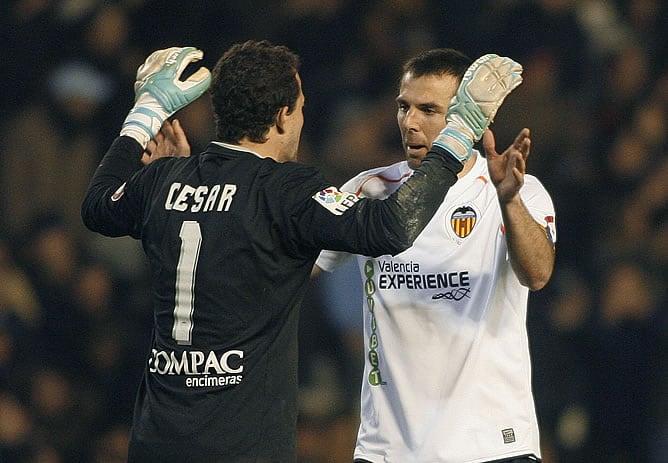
(485,85)
(159,92)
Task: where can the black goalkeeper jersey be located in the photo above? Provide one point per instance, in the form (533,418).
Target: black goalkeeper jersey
(231,239)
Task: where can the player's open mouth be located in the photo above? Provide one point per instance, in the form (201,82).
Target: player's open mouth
(415,149)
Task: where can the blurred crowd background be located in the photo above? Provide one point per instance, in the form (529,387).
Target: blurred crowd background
(75,316)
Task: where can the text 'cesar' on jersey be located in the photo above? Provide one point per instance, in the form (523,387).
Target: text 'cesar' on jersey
(182,197)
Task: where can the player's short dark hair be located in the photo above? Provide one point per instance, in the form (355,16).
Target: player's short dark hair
(251,82)
(438,61)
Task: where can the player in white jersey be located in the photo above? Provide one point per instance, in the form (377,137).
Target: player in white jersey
(447,371)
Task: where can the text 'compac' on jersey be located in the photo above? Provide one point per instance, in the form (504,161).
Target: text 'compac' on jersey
(198,368)
(195,363)
(203,198)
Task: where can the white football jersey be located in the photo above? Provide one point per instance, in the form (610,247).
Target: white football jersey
(447,371)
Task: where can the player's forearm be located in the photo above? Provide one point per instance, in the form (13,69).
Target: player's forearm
(416,201)
(120,162)
(531,252)
(390,226)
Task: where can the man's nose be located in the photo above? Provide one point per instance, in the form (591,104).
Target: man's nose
(411,119)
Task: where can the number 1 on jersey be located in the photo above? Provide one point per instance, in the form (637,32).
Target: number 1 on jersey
(184,300)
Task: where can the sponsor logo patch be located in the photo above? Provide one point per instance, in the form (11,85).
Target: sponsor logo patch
(335,201)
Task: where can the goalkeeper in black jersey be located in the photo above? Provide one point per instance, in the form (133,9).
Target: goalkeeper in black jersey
(231,235)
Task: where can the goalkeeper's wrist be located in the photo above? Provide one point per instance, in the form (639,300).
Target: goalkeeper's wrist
(144,120)
(139,133)
(456,143)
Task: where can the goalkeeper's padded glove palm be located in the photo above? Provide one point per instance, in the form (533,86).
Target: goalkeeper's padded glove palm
(486,83)
(159,92)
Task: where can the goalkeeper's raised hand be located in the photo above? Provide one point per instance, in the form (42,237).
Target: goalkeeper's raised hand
(160,92)
(486,83)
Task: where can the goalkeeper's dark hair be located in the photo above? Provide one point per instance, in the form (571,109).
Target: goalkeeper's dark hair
(438,61)
(250,83)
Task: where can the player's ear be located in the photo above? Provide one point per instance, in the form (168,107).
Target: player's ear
(281,119)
